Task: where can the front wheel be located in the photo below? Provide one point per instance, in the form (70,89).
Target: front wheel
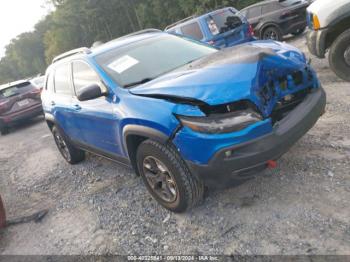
(299,31)
(69,152)
(339,56)
(167,177)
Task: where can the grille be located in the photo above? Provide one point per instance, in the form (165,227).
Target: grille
(283,107)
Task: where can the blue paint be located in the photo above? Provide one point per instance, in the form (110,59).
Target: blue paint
(100,122)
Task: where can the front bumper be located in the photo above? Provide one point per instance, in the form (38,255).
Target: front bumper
(316,42)
(252,156)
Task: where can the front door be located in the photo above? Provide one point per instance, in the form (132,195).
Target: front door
(97,122)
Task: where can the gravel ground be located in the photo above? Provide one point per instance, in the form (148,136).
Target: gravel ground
(99,207)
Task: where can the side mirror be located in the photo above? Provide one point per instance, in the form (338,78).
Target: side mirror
(90,92)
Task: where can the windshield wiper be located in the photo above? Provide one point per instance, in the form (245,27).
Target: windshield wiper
(145,80)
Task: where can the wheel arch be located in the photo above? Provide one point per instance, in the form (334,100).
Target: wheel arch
(336,28)
(50,120)
(134,135)
(263,27)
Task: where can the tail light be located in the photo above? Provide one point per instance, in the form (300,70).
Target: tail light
(250,30)
(36,91)
(4,105)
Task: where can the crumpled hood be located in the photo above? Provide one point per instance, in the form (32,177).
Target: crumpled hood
(228,75)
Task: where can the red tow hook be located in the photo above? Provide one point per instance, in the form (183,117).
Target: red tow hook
(271,164)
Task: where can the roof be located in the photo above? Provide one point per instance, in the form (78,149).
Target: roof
(119,42)
(4,86)
(260,3)
(190,19)
(126,40)
(71,53)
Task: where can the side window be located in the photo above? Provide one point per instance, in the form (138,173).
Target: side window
(62,76)
(50,87)
(192,30)
(254,12)
(83,75)
(270,8)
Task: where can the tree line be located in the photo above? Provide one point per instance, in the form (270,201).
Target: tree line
(76,23)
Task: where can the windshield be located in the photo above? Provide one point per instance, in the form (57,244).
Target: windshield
(145,60)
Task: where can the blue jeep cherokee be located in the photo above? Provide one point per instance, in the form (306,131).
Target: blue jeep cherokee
(220,28)
(184,115)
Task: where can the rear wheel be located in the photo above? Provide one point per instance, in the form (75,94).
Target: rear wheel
(299,31)
(69,152)
(339,56)
(4,130)
(167,177)
(272,33)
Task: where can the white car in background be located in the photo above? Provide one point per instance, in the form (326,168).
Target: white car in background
(329,23)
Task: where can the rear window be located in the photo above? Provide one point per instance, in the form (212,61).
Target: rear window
(62,76)
(223,21)
(254,12)
(192,30)
(50,85)
(291,2)
(13,90)
(269,8)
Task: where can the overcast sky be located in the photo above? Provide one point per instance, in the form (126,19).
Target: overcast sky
(18,16)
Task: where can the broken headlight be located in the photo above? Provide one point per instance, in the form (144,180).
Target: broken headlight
(221,124)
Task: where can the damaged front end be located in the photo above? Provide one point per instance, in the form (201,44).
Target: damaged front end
(234,96)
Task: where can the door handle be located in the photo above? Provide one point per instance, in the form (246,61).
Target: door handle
(53,103)
(77,107)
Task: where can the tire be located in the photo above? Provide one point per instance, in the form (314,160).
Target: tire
(299,31)
(4,130)
(271,33)
(167,177)
(339,56)
(69,152)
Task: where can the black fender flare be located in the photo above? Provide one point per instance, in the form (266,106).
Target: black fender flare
(50,118)
(336,18)
(143,131)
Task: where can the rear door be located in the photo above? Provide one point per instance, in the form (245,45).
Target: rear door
(293,13)
(227,28)
(60,103)
(97,122)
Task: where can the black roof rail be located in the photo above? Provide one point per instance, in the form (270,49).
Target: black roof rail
(81,50)
(181,21)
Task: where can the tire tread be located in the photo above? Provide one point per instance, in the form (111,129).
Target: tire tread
(194,187)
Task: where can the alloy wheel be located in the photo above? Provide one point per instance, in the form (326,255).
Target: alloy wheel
(62,146)
(270,34)
(160,179)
